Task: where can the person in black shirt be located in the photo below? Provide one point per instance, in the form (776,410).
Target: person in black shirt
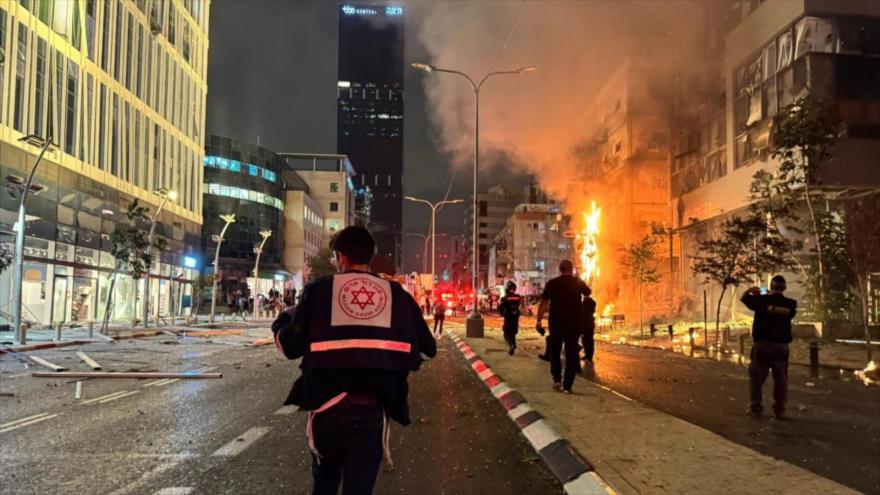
(565,295)
(589,327)
(509,309)
(771,334)
(359,336)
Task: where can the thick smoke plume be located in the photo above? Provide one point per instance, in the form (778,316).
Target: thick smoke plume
(539,120)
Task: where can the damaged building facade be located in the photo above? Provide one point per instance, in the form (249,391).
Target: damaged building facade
(766,55)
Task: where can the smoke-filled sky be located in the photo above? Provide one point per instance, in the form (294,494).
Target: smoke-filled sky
(272,74)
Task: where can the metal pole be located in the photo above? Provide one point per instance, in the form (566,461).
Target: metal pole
(149,250)
(266,234)
(19,245)
(433,243)
(425,255)
(217,271)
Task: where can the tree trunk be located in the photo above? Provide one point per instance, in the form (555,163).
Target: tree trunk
(718,314)
(109,303)
(641,326)
(819,257)
(863,289)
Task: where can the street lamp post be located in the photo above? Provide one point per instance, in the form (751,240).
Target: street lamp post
(20,233)
(165,194)
(229,219)
(475,321)
(434,207)
(266,234)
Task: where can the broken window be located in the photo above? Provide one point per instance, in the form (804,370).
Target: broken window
(785,45)
(814,34)
(769,60)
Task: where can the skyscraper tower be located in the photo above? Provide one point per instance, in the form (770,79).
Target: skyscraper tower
(370,112)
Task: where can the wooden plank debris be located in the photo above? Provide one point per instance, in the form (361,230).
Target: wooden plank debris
(126,374)
(259,342)
(89,361)
(47,364)
(213,333)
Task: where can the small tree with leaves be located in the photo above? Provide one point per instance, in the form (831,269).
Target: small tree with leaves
(804,133)
(639,261)
(739,251)
(128,245)
(320,264)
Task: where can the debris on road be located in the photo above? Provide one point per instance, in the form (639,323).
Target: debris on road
(89,361)
(125,374)
(260,342)
(213,333)
(47,364)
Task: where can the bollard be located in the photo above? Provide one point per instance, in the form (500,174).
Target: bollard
(186,320)
(58,331)
(22,334)
(691,336)
(814,357)
(91,329)
(726,337)
(671,333)
(653,330)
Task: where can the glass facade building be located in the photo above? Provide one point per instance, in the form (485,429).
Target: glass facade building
(243,179)
(370,114)
(119,86)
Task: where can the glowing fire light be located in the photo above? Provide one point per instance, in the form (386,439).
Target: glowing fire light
(590,248)
(608,310)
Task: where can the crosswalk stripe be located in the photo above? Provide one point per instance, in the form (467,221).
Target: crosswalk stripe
(33,421)
(241,443)
(103,397)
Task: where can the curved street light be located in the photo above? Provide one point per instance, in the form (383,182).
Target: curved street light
(434,207)
(475,321)
(229,219)
(166,195)
(259,250)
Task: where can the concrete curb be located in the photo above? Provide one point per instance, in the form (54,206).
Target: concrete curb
(571,469)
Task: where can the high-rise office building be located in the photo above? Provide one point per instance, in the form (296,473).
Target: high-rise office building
(119,87)
(370,112)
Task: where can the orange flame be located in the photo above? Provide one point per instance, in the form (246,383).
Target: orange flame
(608,310)
(590,247)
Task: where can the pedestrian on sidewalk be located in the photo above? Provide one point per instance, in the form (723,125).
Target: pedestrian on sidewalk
(509,309)
(565,296)
(359,336)
(589,327)
(771,334)
(439,316)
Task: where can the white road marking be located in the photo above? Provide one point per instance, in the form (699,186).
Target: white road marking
(486,373)
(287,410)
(145,478)
(133,392)
(26,423)
(175,490)
(168,382)
(22,420)
(241,443)
(540,435)
(96,399)
(156,382)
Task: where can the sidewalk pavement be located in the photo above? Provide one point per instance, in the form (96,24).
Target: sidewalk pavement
(637,449)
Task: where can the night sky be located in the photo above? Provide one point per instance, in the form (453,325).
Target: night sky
(272,76)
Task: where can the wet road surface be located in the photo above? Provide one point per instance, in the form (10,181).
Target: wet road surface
(231,435)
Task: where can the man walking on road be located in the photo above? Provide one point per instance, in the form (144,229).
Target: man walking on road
(771,334)
(509,309)
(565,295)
(359,336)
(439,316)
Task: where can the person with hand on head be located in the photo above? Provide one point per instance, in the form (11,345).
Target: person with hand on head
(359,336)
(565,296)
(771,334)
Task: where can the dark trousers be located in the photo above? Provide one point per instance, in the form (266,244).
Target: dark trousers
(438,320)
(510,332)
(589,345)
(349,439)
(555,344)
(769,357)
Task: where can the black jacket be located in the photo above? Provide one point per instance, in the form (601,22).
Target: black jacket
(315,387)
(509,308)
(773,315)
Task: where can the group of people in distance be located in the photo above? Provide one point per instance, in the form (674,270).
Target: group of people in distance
(359,335)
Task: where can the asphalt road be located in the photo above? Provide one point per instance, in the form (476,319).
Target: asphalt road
(231,435)
(834,429)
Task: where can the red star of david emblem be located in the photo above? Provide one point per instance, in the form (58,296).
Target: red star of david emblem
(366,300)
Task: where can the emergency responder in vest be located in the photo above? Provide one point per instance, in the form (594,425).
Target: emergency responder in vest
(771,334)
(509,309)
(359,336)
